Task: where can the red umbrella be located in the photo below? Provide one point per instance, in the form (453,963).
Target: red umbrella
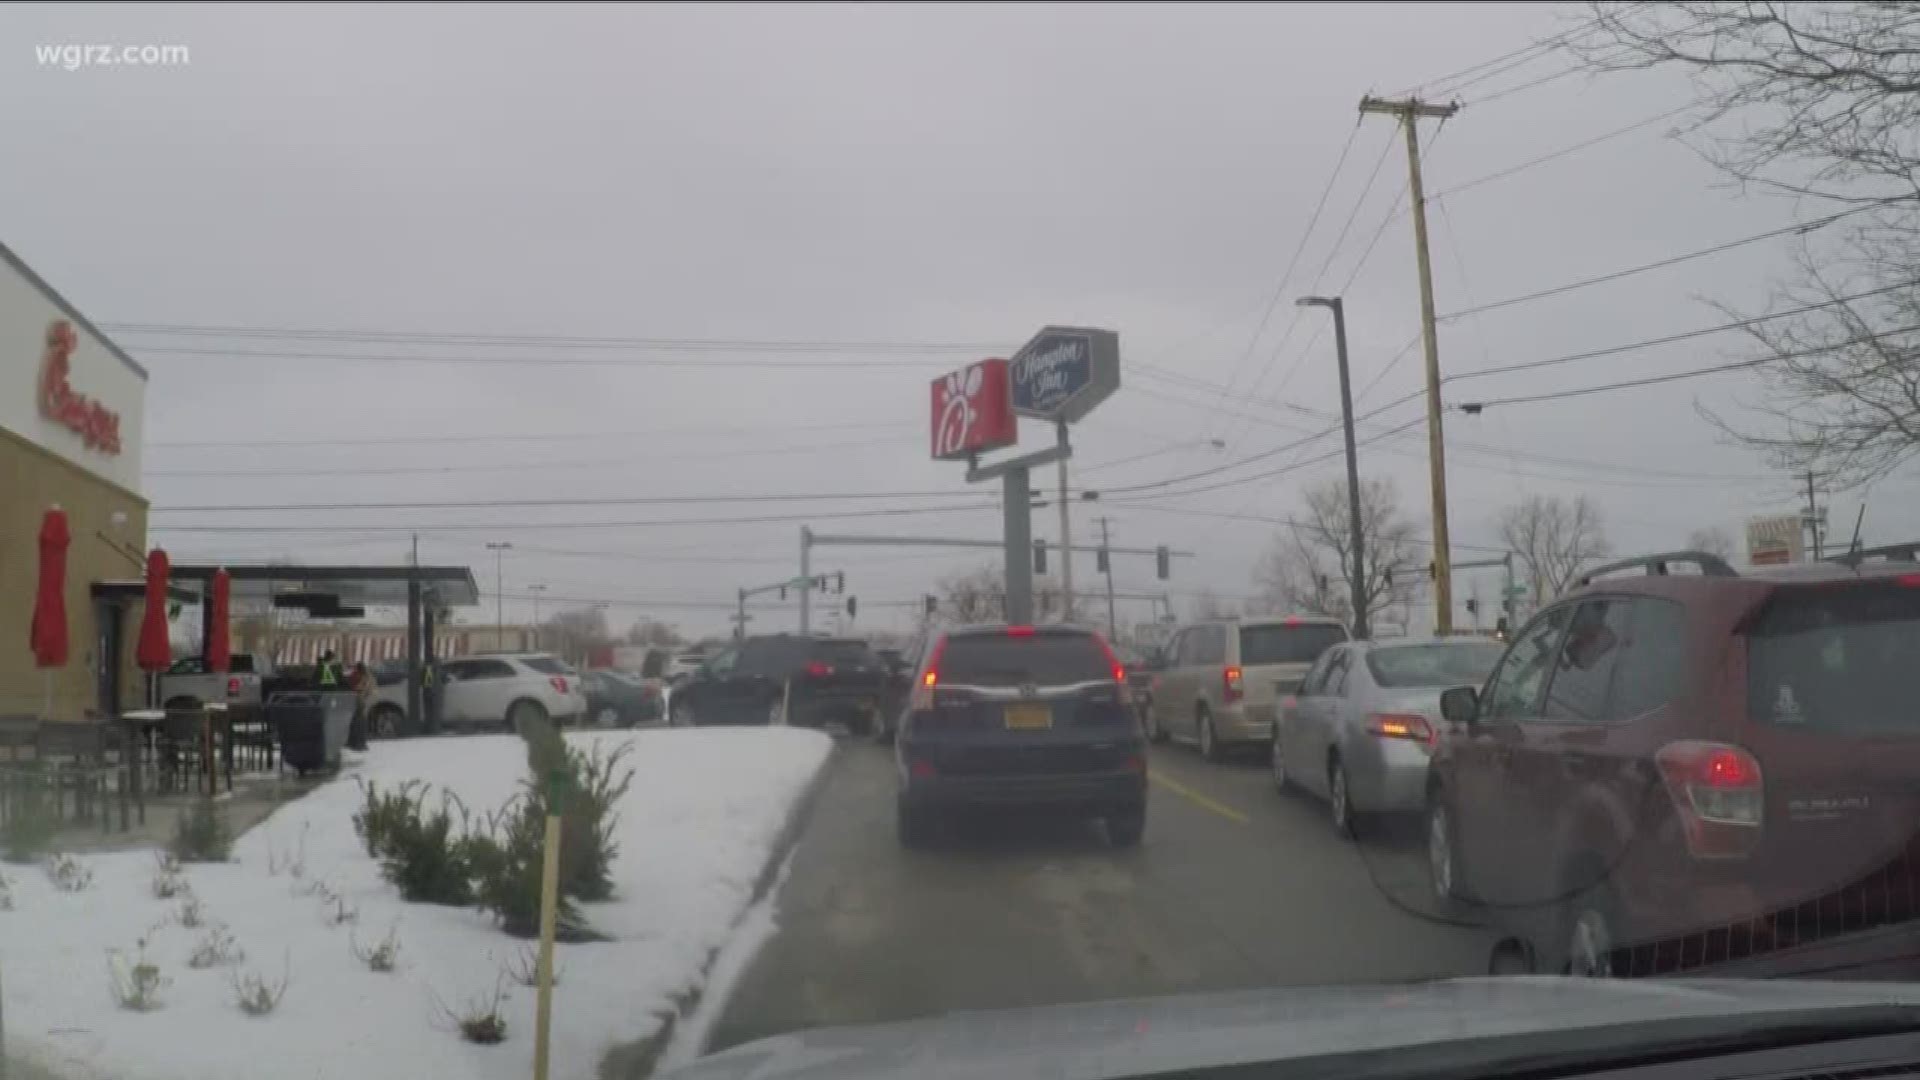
(48,635)
(219,640)
(155,652)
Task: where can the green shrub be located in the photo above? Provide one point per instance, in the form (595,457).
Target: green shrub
(507,861)
(200,834)
(380,815)
(423,852)
(591,784)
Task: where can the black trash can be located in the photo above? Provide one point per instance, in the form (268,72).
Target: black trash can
(312,728)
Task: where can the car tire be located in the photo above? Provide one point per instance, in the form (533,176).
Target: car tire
(1209,743)
(386,722)
(1346,820)
(680,713)
(523,714)
(1125,829)
(1443,856)
(1150,724)
(1277,765)
(882,730)
(913,826)
(777,713)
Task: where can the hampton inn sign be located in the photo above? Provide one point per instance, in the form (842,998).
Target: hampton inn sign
(97,425)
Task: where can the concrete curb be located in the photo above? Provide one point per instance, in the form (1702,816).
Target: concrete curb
(636,1060)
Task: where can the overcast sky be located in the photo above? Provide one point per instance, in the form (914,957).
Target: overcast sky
(943,176)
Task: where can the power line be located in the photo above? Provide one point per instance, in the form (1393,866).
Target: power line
(504,504)
(533,466)
(1672,260)
(494,436)
(209,353)
(554,341)
(1634,346)
(1540,48)
(541,526)
(1510,170)
(1690,373)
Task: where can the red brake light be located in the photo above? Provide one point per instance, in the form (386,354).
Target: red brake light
(1113,662)
(921,769)
(1395,726)
(1230,685)
(1720,794)
(819,670)
(559,683)
(1291,620)
(1909,580)
(930,678)
(1019,631)
(233,686)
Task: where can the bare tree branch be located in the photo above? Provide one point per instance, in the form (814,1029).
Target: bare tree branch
(1309,568)
(1554,539)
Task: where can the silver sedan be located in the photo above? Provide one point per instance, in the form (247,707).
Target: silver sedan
(1360,728)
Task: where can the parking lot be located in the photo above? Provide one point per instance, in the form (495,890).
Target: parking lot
(1235,886)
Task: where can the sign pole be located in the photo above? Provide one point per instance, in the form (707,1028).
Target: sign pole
(549,912)
(1017,495)
(1066,536)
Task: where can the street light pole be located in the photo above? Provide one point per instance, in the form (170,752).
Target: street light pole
(499,550)
(1359,571)
(536,590)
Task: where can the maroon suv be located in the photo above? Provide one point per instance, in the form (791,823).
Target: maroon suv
(1670,770)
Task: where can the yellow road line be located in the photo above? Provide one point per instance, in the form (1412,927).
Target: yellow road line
(1204,802)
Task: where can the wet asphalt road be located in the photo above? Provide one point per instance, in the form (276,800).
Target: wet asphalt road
(1235,886)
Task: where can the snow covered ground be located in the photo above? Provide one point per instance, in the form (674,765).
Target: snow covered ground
(696,830)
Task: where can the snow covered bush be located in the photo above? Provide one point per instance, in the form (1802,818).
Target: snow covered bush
(68,873)
(135,982)
(383,957)
(215,948)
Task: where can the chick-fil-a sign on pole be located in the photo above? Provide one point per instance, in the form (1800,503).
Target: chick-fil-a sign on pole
(973,411)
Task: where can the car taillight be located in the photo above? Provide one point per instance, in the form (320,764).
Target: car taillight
(559,683)
(920,769)
(1397,726)
(1114,665)
(233,686)
(817,670)
(1720,794)
(1230,687)
(1019,631)
(1135,763)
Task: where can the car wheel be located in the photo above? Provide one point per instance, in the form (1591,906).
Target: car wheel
(1590,935)
(680,713)
(882,729)
(1151,724)
(1510,956)
(1126,828)
(525,715)
(386,722)
(1340,800)
(1209,745)
(1443,858)
(913,826)
(1277,765)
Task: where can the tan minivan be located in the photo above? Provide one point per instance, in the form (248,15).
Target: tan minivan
(1223,679)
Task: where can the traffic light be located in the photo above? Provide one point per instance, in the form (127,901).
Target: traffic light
(1162,562)
(821,582)
(839,582)
(1100,560)
(1039,556)
(932,603)
(783,592)
(853,607)
(1473,606)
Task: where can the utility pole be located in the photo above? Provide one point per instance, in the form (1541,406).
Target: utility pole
(1815,517)
(1066,535)
(499,550)
(1113,620)
(1409,112)
(1358,586)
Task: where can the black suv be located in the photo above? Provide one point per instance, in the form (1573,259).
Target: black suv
(1021,717)
(784,679)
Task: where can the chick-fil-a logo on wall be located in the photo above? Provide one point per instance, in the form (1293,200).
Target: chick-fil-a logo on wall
(973,410)
(97,426)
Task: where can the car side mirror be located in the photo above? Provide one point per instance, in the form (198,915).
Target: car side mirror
(1460,705)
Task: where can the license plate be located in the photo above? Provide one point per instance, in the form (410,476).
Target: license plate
(1029,718)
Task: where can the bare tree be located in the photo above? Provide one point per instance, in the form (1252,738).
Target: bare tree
(1206,604)
(655,633)
(980,596)
(1817,100)
(1554,539)
(1309,568)
(1713,540)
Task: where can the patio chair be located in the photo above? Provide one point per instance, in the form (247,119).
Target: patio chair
(254,738)
(74,757)
(19,772)
(181,745)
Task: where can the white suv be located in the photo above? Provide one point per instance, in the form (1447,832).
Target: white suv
(509,689)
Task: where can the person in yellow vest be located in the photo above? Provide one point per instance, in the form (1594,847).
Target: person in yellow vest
(328,676)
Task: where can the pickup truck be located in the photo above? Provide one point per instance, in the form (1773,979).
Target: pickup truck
(188,682)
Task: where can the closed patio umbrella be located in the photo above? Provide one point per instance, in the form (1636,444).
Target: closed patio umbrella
(154,653)
(218,616)
(48,635)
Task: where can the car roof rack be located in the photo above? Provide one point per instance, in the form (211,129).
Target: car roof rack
(1710,565)
(1907,552)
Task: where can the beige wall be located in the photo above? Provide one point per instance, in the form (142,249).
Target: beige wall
(32,479)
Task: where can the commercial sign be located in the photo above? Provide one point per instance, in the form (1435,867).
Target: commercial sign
(97,425)
(1775,540)
(973,411)
(1064,372)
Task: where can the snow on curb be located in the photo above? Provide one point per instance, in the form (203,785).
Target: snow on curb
(709,811)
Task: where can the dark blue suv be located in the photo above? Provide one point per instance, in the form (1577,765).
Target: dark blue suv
(1021,717)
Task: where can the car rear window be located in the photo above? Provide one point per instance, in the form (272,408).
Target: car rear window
(843,652)
(1451,663)
(240,664)
(1282,644)
(1837,658)
(547,666)
(1039,659)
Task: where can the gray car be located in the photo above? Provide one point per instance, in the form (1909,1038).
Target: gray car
(1359,729)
